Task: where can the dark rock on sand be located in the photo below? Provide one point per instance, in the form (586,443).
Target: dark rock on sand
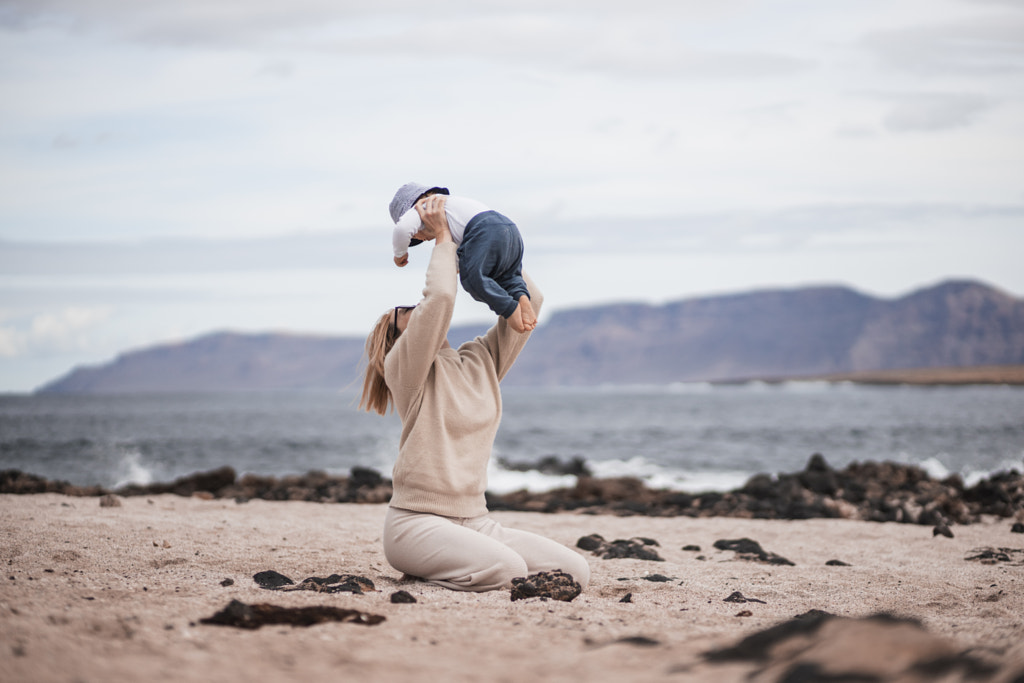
(658,578)
(227,582)
(1017,528)
(556,585)
(242,615)
(590,543)
(335,583)
(628,597)
(110,501)
(402,597)
(875,491)
(634,548)
(836,563)
(942,530)
(995,555)
(692,548)
(641,641)
(271,580)
(747,549)
(736,596)
(823,647)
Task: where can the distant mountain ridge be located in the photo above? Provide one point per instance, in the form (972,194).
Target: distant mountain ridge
(778,333)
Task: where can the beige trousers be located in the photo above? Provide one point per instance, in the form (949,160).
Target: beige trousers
(474,554)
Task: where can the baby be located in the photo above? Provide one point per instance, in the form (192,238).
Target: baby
(490,250)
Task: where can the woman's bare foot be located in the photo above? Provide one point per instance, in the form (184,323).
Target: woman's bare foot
(529,317)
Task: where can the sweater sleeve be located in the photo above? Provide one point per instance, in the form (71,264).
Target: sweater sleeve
(504,343)
(409,361)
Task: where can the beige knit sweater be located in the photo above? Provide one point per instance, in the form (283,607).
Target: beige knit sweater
(449,399)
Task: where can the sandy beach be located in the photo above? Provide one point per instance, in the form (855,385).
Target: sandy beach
(117,593)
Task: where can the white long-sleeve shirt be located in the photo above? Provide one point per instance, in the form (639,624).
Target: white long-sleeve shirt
(459,211)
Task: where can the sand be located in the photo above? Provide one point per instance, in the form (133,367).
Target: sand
(93,593)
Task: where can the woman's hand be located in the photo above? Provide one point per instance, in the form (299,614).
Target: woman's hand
(435,222)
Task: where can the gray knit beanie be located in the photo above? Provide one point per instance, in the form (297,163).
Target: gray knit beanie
(407,195)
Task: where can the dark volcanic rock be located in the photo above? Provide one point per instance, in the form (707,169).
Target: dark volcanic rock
(751,550)
(335,583)
(271,580)
(873,491)
(822,647)
(1017,528)
(242,615)
(402,597)
(736,596)
(942,530)
(556,585)
(634,548)
(994,555)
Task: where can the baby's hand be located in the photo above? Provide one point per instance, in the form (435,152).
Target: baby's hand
(402,261)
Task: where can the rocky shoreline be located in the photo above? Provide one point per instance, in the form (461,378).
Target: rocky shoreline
(870,491)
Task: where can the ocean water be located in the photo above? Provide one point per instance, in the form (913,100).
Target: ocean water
(690,437)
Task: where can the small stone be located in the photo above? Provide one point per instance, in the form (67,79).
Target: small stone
(110,501)
(1017,528)
(736,596)
(658,578)
(642,641)
(942,530)
(271,580)
(628,597)
(227,582)
(837,563)
(590,543)
(745,613)
(556,585)
(748,549)
(402,597)
(241,615)
(692,548)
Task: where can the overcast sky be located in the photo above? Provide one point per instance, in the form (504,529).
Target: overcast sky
(173,168)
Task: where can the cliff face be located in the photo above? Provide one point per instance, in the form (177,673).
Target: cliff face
(763,334)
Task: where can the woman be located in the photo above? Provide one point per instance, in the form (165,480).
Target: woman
(437,527)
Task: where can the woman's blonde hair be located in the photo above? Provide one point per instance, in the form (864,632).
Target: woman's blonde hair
(376,395)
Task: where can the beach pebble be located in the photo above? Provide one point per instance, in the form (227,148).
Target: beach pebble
(942,530)
(1017,528)
(271,580)
(241,615)
(402,597)
(634,548)
(748,549)
(110,501)
(736,596)
(836,563)
(556,585)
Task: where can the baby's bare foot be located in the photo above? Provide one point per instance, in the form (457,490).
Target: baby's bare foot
(529,317)
(515,321)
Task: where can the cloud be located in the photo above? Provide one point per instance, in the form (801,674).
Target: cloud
(643,40)
(50,332)
(989,45)
(935,111)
